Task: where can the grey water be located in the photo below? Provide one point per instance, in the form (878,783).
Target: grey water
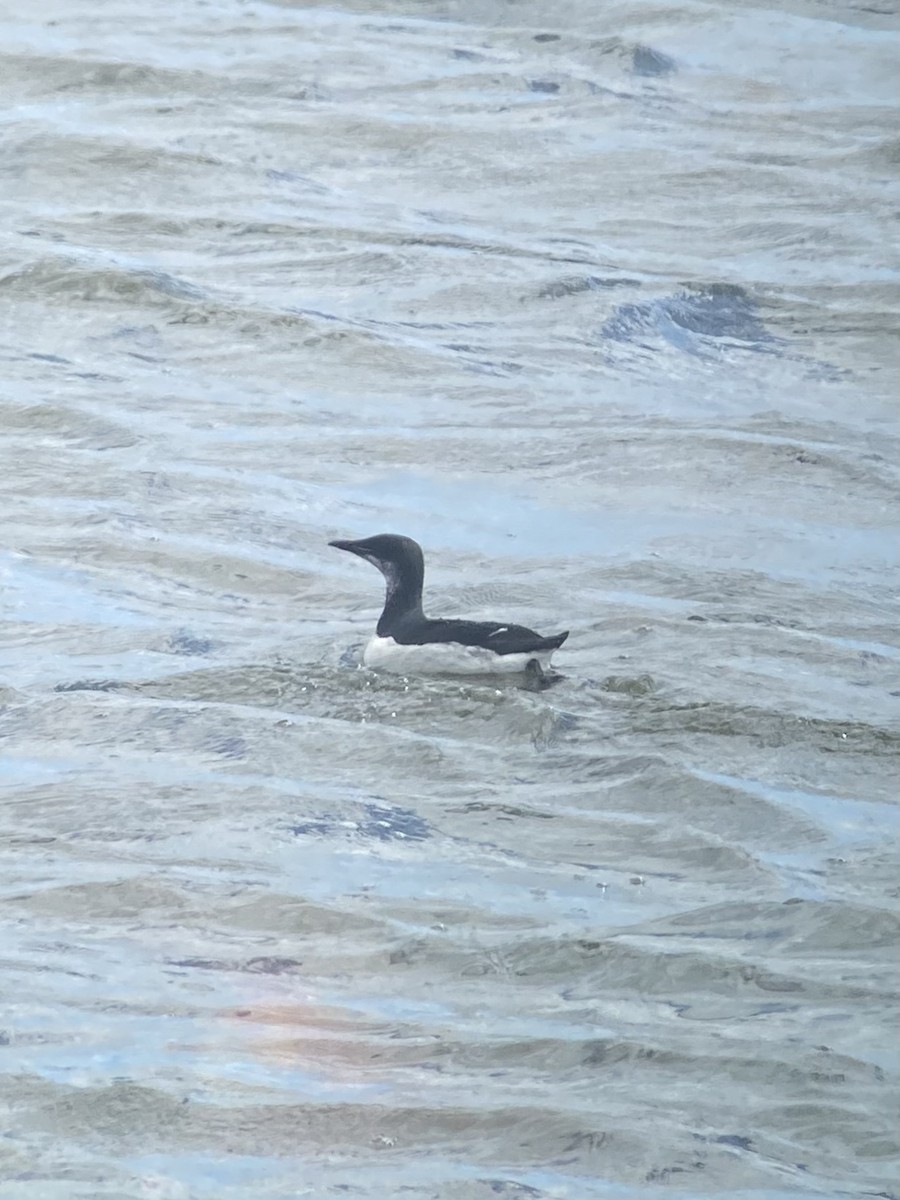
(597,302)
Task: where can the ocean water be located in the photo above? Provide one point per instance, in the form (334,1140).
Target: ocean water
(599,303)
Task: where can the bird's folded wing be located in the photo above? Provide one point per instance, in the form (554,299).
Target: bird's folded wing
(490,635)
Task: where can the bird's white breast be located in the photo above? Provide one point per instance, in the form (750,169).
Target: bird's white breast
(446,658)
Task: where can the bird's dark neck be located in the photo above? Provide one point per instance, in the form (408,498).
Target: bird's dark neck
(402,599)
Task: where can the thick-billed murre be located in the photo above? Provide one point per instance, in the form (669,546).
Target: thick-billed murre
(408,642)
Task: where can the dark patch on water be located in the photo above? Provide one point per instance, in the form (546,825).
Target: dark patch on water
(545,86)
(382,822)
(512,1189)
(567,720)
(185,642)
(573,284)
(91,685)
(230,747)
(694,320)
(748,618)
(506,810)
(733,1139)
(647,61)
(271,965)
(268,965)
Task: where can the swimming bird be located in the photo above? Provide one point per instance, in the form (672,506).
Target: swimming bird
(408,642)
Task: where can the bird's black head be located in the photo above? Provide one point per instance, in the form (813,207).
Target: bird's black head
(400,561)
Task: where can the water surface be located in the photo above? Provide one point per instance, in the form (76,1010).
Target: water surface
(600,306)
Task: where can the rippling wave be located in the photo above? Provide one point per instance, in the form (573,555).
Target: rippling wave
(597,306)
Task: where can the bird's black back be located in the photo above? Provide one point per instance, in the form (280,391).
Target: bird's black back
(489,635)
